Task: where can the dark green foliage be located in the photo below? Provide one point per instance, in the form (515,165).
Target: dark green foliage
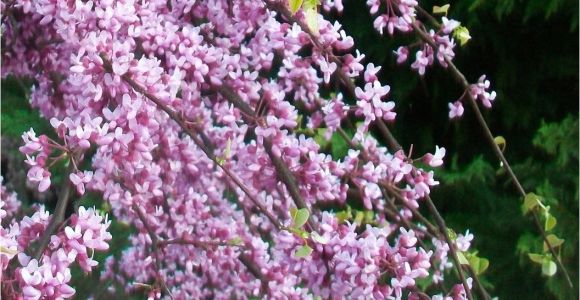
(17,116)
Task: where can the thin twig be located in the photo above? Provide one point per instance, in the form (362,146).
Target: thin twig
(284,174)
(481,291)
(443,230)
(59,212)
(199,244)
(432,228)
(154,247)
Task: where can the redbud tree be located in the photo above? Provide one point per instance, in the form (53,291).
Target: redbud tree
(202,125)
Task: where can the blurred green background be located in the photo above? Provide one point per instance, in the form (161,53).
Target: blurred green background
(529,51)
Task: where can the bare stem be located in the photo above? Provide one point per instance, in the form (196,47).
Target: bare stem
(284,174)
(443,230)
(59,212)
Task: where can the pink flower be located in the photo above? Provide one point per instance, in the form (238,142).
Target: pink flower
(41,176)
(402,54)
(455,109)
(32,143)
(371,72)
(327,69)
(435,160)
(421,62)
(80,179)
(449,25)
(479,91)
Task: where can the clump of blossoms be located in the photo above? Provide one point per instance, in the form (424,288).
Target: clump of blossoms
(47,276)
(192,115)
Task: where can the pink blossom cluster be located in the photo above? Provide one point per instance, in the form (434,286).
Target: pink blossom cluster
(436,45)
(9,205)
(477,91)
(192,114)
(370,102)
(397,15)
(49,276)
(462,243)
(347,264)
(38,173)
(427,54)
(480,91)
(77,136)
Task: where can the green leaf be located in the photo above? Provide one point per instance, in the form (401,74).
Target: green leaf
(319,137)
(359,217)
(452,234)
(549,267)
(303,251)
(312,19)
(462,259)
(293,211)
(537,258)
(300,217)
(235,241)
(530,202)
(462,34)
(500,142)
(294,5)
(441,9)
(550,222)
(479,264)
(344,215)
(308,4)
(554,241)
(318,238)
(369,216)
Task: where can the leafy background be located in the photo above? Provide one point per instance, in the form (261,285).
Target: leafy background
(528,49)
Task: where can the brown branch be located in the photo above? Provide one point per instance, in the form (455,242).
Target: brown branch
(397,214)
(157,242)
(388,136)
(198,244)
(415,212)
(252,268)
(284,174)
